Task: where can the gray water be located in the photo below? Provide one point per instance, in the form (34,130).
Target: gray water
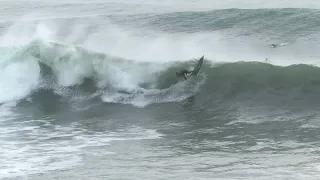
(88,90)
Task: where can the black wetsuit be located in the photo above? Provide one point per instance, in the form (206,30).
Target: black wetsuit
(183,73)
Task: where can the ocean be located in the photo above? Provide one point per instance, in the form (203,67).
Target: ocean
(88,90)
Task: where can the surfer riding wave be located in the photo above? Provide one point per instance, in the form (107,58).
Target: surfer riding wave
(185,72)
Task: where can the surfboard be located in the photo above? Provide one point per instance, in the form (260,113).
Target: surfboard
(197,68)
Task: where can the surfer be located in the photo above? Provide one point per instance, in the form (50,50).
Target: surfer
(183,73)
(194,72)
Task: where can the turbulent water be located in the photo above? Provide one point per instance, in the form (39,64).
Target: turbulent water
(88,90)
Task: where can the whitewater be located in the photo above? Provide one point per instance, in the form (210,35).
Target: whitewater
(88,89)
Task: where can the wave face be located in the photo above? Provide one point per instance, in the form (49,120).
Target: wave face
(68,70)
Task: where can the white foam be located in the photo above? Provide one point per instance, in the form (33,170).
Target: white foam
(140,45)
(175,93)
(29,149)
(217,46)
(19,71)
(17,78)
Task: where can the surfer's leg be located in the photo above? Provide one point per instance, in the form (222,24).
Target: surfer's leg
(184,76)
